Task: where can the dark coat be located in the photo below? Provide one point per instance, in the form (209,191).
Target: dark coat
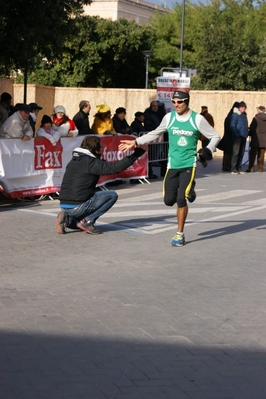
(32,123)
(83,172)
(257,131)
(152,119)
(121,126)
(137,126)
(81,120)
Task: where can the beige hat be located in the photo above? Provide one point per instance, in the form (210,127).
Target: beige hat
(261,108)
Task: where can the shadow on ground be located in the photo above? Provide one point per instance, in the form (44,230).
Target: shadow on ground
(56,367)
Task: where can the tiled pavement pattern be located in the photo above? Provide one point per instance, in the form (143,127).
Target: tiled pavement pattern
(126,316)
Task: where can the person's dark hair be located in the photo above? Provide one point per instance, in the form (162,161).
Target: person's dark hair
(91,143)
(5,97)
(120,110)
(46,119)
(83,104)
(235,105)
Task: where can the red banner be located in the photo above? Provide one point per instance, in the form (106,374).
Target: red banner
(111,153)
(35,167)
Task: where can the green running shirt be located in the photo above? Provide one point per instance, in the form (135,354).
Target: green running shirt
(183,139)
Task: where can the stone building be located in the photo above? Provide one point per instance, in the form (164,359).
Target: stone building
(139,11)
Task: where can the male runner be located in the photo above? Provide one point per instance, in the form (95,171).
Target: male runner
(184,127)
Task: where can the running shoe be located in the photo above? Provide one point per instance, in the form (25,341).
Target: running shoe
(88,227)
(178,240)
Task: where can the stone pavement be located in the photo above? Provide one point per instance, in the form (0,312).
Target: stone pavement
(124,315)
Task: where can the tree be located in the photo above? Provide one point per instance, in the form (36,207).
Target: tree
(31,30)
(226,60)
(222,40)
(99,53)
(167,43)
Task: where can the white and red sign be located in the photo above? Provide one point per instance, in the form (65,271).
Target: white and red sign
(167,85)
(35,167)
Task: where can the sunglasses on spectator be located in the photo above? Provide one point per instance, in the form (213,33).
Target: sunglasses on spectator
(179,101)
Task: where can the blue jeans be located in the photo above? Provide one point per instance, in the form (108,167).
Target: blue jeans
(91,210)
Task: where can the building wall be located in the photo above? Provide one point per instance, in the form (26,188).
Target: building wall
(6,85)
(132,10)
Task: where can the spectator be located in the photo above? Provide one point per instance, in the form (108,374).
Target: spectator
(81,119)
(257,131)
(226,144)
(161,110)
(5,107)
(103,123)
(61,123)
(120,122)
(207,115)
(152,120)
(137,125)
(152,117)
(35,108)
(17,126)
(47,131)
(210,120)
(239,128)
(81,205)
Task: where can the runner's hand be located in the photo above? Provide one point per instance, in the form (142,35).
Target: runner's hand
(126,144)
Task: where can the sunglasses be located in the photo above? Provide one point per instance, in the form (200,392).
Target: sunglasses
(179,101)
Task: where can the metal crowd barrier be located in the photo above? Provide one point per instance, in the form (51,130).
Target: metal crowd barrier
(158,151)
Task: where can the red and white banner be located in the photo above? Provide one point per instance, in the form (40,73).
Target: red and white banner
(35,167)
(166,87)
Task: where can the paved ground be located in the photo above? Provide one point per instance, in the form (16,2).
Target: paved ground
(126,316)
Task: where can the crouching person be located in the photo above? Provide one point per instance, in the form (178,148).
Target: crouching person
(81,205)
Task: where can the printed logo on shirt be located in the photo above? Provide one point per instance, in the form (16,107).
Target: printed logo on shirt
(182,142)
(182,132)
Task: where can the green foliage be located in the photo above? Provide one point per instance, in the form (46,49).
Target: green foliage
(224,40)
(226,60)
(99,53)
(166,48)
(34,29)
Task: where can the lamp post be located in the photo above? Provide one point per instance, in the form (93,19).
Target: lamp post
(147,54)
(182,37)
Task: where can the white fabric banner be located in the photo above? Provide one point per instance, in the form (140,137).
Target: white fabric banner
(36,167)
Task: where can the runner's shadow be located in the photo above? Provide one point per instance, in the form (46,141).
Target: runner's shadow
(239,226)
